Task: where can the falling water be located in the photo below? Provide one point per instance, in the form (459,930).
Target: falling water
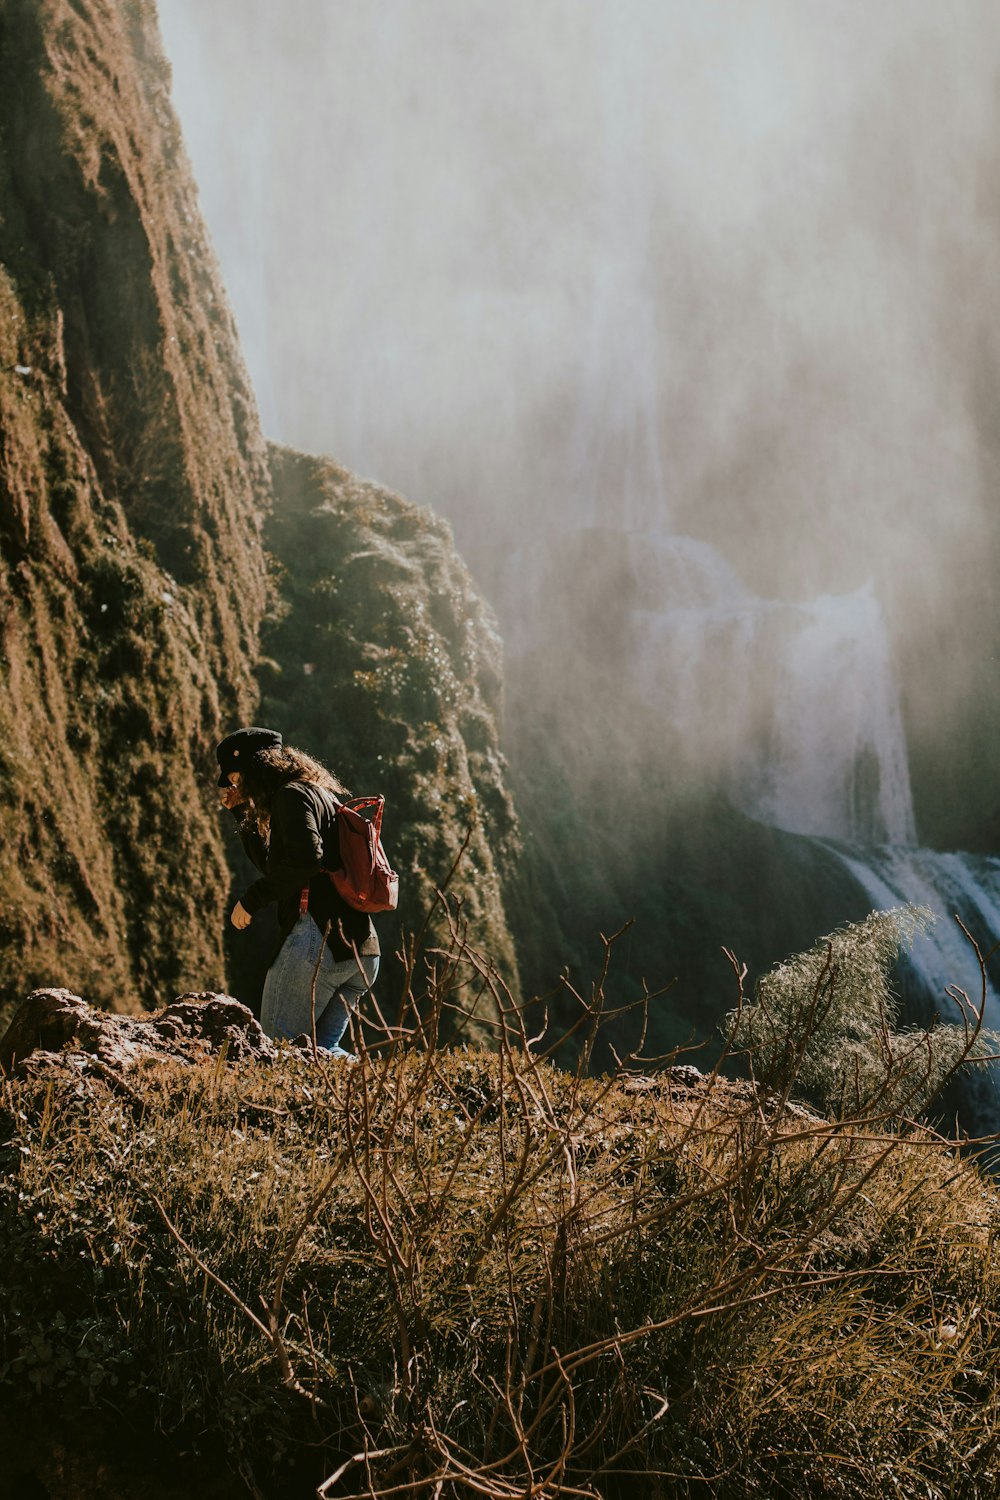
(795,712)
(795,705)
(966,885)
(792,709)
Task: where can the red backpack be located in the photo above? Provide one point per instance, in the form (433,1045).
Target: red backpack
(366,881)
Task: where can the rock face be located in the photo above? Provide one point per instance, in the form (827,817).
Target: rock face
(133,483)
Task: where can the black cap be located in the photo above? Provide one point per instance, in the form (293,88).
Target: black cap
(237,748)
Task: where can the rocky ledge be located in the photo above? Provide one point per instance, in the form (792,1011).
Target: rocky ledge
(55,1028)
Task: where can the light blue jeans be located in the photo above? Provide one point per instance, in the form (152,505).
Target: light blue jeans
(286,1008)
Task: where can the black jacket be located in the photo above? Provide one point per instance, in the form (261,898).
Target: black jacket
(302,844)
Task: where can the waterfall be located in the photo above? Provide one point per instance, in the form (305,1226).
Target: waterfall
(794,706)
(965,885)
(794,711)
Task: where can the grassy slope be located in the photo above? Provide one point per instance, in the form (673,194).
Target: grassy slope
(599,1284)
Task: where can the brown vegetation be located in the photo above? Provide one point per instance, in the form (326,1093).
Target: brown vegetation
(443,1272)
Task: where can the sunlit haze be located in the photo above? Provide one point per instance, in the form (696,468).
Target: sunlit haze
(729,272)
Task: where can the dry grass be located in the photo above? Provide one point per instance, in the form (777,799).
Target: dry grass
(446,1272)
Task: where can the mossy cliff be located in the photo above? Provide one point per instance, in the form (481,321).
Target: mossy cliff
(380,658)
(135,488)
(133,480)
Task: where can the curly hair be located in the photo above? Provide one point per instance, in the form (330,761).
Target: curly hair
(271,769)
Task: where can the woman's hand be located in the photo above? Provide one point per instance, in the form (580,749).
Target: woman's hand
(240,917)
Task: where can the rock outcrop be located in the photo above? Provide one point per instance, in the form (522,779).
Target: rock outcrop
(55,1028)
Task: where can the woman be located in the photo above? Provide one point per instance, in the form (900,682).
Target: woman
(285,806)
